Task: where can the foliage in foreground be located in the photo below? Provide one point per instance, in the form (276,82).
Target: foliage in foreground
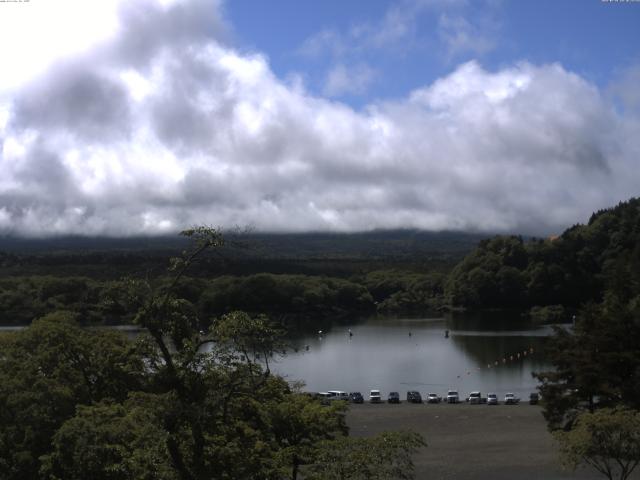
(193,399)
(607,439)
(596,365)
(592,398)
(377,458)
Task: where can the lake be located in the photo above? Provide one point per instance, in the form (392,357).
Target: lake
(491,354)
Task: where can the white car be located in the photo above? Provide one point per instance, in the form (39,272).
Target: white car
(433,398)
(492,399)
(452,396)
(375,397)
(511,399)
(338,395)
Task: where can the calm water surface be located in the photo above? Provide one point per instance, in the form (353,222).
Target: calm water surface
(413,354)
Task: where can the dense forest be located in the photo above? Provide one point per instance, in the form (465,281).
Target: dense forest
(290,277)
(81,403)
(178,402)
(312,277)
(591,395)
(581,265)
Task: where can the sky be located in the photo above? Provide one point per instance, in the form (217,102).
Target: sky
(144,117)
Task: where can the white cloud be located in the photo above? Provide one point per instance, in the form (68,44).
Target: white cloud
(34,34)
(460,36)
(322,42)
(391,32)
(459,30)
(625,88)
(165,126)
(348,80)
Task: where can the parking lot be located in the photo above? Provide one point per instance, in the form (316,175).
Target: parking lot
(469,442)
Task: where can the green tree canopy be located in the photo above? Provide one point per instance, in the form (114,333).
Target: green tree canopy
(190,399)
(607,440)
(48,369)
(385,456)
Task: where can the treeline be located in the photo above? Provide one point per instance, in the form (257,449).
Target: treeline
(285,297)
(290,277)
(181,401)
(592,393)
(582,265)
(550,278)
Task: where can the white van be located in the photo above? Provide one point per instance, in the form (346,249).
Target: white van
(338,395)
(375,397)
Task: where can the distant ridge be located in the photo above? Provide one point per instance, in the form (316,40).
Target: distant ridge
(374,244)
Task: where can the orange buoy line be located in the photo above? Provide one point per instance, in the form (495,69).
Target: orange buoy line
(504,360)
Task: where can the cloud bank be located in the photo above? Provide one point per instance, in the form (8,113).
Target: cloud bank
(165,126)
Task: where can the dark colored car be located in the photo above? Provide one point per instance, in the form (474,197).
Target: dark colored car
(356,397)
(534,398)
(394,397)
(414,397)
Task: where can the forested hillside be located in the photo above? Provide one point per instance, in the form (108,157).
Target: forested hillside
(581,265)
(289,276)
(328,276)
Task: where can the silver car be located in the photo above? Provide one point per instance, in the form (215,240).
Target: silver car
(433,398)
(511,399)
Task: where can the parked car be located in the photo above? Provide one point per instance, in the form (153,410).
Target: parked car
(475,398)
(356,397)
(325,398)
(511,399)
(452,396)
(492,399)
(433,398)
(394,397)
(414,397)
(338,395)
(534,398)
(374,396)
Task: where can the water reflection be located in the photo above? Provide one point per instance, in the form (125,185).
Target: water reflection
(480,353)
(415,354)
